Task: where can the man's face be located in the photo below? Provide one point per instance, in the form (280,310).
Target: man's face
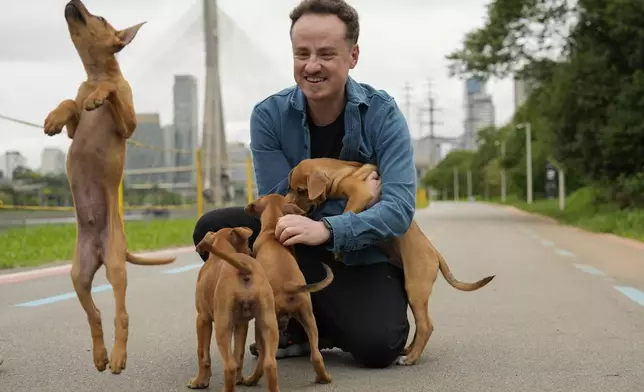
(322,56)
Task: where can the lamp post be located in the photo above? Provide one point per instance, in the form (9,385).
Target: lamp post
(528,146)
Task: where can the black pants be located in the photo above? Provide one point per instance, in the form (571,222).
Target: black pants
(364,310)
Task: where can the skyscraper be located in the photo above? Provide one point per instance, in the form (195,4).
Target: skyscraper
(186,125)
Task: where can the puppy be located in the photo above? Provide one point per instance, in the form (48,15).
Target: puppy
(312,181)
(99,120)
(230,294)
(292,294)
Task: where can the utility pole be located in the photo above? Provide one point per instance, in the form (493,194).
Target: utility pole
(528,158)
(455,184)
(503,184)
(431,109)
(469,185)
(407,89)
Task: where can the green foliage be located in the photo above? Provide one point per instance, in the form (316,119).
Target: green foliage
(36,245)
(587,110)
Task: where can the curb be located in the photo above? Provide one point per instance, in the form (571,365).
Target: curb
(614,237)
(63,269)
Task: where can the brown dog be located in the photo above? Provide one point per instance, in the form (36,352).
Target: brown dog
(314,180)
(99,121)
(292,294)
(230,295)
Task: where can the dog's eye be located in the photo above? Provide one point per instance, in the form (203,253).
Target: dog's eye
(101,19)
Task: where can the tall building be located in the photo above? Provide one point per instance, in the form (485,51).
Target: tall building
(479,112)
(522,90)
(148,132)
(10,161)
(169,156)
(186,125)
(52,161)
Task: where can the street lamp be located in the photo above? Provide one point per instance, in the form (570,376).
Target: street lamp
(528,146)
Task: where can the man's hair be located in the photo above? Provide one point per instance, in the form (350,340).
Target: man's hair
(339,8)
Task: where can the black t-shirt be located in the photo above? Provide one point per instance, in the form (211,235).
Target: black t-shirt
(326,141)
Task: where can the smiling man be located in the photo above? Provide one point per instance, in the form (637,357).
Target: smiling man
(328,114)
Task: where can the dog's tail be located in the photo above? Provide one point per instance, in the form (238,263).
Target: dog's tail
(140,260)
(235,260)
(313,287)
(457,284)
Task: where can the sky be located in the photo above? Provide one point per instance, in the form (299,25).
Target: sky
(39,66)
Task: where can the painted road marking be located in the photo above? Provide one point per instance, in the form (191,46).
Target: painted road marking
(185,268)
(565,253)
(64,269)
(589,269)
(632,293)
(98,289)
(547,243)
(62,297)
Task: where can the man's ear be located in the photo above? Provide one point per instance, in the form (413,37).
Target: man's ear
(127,35)
(316,184)
(290,208)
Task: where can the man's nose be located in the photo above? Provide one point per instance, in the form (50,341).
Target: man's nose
(312,65)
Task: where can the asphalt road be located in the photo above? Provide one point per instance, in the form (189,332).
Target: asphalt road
(553,319)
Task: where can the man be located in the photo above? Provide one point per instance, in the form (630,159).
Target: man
(328,114)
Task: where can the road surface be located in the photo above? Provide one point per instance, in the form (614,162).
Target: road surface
(564,313)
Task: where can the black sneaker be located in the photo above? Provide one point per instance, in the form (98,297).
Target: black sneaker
(287,348)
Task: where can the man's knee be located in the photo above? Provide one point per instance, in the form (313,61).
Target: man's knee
(379,347)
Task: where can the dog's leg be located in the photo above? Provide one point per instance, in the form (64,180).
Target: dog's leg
(98,96)
(85,263)
(65,114)
(241,331)
(117,276)
(419,303)
(204,335)
(306,318)
(269,332)
(223,332)
(253,379)
(124,115)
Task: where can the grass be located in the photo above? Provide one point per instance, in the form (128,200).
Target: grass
(42,244)
(583,211)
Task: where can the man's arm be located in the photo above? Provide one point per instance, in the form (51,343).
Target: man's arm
(271,165)
(393,214)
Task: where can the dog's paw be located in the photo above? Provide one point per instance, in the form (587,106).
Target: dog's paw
(118,360)
(197,383)
(92,102)
(54,123)
(403,361)
(324,378)
(100,358)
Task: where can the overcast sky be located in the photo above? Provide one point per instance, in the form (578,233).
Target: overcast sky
(407,42)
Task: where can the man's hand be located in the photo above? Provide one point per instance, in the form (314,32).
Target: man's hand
(374,183)
(297,229)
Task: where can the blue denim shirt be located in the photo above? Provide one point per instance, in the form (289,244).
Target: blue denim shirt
(375,132)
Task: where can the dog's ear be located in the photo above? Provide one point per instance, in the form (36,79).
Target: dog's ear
(205,245)
(316,184)
(290,208)
(243,232)
(239,237)
(126,36)
(253,208)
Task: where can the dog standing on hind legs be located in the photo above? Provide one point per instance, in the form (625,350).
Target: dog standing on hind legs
(99,121)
